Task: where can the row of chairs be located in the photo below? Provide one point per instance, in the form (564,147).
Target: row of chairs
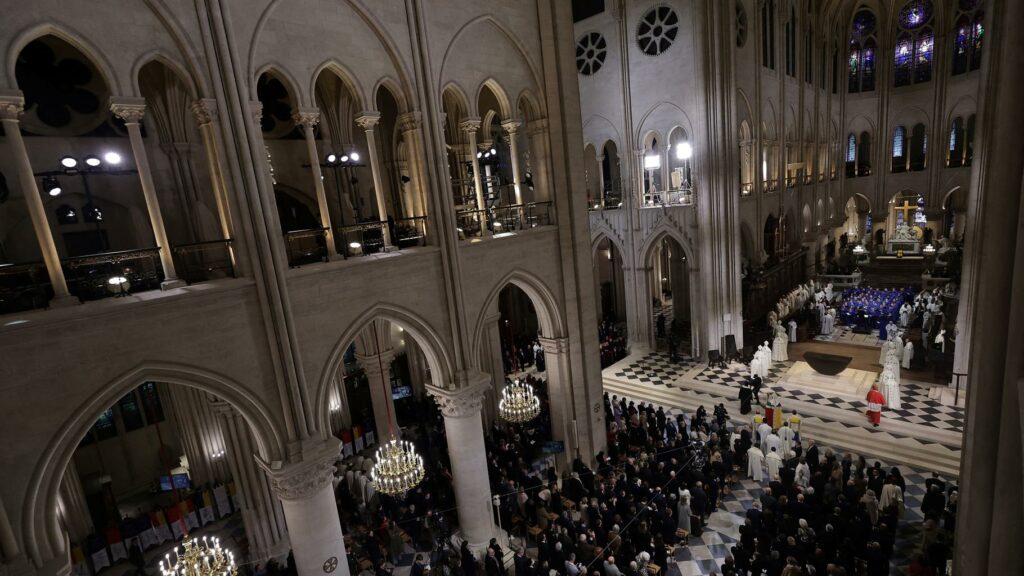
(715,357)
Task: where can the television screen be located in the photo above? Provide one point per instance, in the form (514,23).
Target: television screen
(181,482)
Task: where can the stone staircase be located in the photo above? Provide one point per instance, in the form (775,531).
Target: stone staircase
(893,442)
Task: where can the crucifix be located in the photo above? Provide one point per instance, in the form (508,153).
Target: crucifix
(906,209)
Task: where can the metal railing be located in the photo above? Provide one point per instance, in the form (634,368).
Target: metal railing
(500,219)
(305,246)
(678,197)
(611,200)
(410,232)
(97,276)
(24,287)
(360,239)
(202,261)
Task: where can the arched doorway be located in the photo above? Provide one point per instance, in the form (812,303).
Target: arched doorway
(611,291)
(954,212)
(669,289)
(160,451)
(611,175)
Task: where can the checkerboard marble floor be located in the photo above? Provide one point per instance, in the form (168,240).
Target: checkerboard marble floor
(655,368)
(846,335)
(706,554)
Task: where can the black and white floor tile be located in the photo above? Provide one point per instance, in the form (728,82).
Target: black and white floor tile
(655,368)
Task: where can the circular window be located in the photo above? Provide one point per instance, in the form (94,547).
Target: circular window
(657,30)
(591,50)
(741,24)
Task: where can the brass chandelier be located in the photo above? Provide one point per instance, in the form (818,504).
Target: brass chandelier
(518,402)
(399,468)
(206,559)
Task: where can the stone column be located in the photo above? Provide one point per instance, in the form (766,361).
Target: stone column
(464,430)
(75,509)
(409,125)
(494,363)
(341,411)
(512,129)
(11,107)
(563,401)
(470,127)
(131,111)
(307,498)
(200,434)
(368,121)
(205,110)
(307,119)
(989,519)
(374,353)
(262,516)
(377,368)
(537,130)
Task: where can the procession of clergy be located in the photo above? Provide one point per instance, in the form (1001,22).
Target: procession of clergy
(897,351)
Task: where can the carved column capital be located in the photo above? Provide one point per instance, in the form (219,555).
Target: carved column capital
(372,365)
(303,480)
(410,121)
(131,110)
(368,120)
(511,126)
(11,106)
(307,117)
(470,125)
(205,110)
(554,345)
(461,402)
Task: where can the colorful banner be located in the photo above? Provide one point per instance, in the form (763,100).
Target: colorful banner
(116,545)
(220,494)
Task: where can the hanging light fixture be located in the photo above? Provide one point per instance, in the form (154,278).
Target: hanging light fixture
(399,468)
(518,402)
(206,559)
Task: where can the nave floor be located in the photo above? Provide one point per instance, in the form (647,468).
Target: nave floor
(924,432)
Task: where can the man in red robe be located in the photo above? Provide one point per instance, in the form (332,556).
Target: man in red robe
(875,402)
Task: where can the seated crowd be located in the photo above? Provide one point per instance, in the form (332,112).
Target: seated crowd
(613,343)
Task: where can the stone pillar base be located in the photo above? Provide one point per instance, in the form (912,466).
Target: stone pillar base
(172,284)
(64,302)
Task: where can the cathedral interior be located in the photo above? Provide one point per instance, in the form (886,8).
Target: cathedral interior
(547,287)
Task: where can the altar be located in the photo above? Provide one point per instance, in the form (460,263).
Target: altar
(908,247)
(849,384)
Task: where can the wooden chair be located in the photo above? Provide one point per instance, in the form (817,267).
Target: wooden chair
(715,359)
(731,353)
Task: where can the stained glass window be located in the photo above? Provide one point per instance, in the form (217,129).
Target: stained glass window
(104,428)
(915,43)
(899,139)
(919,217)
(979,36)
(956,143)
(862,52)
(851,149)
(151,402)
(131,416)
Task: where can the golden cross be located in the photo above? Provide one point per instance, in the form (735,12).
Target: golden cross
(907,208)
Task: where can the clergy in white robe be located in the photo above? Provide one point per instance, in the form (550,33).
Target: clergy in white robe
(908,354)
(890,387)
(792,330)
(774,462)
(803,474)
(773,443)
(755,365)
(780,345)
(787,435)
(828,322)
(763,430)
(905,315)
(755,463)
(886,347)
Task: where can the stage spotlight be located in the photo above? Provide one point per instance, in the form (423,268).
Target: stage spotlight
(68,162)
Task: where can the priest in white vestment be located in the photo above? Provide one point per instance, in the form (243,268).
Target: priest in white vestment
(774,462)
(792,330)
(773,443)
(755,364)
(755,463)
(890,387)
(786,435)
(780,345)
(886,347)
(763,430)
(803,474)
(908,354)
